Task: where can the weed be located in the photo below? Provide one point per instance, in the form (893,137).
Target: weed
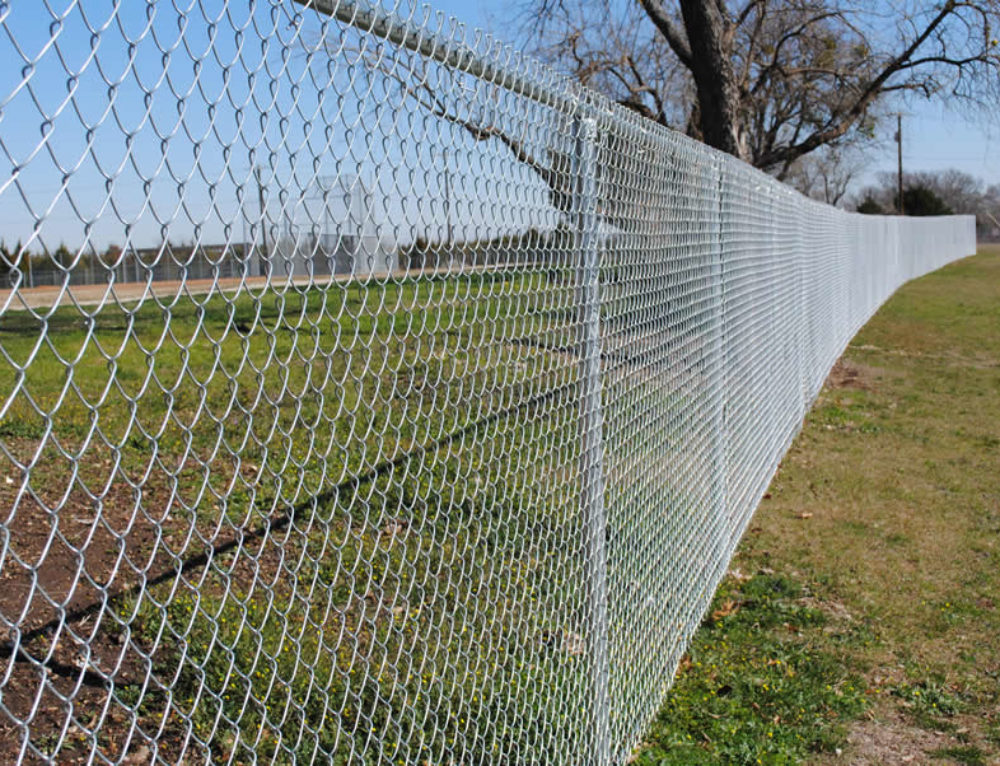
(928,702)
(969,755)
(993,734)
(16,428)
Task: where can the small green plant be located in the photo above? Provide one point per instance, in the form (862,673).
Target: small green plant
(968,755)
(929,703)
(13,428)
(993,735)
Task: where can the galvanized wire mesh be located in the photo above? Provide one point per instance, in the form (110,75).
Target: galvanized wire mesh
(391,400)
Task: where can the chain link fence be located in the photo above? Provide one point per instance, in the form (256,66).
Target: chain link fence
(392,399)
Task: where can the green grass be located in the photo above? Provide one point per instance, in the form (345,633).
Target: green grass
(406,577)
(391,614)
(395,352)
(256,669)
(887,510)
(970,755)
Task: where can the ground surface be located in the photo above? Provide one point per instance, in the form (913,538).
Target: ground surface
(861,615)
(861,624)
(266,476)
(46,297)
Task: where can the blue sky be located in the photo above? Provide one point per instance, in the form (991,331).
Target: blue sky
(176,103)
(935,138)
(132,123)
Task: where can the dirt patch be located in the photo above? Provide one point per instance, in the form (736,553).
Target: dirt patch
(848,374)
(891,740)
(78,552)
(890,736)
(834,610)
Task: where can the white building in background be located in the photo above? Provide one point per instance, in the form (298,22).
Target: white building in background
(331,230)
(355,243)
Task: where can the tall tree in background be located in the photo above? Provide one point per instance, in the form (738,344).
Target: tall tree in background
(771,81)
(957,192)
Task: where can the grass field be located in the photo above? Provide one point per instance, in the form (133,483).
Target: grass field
(333,521)
(860,623)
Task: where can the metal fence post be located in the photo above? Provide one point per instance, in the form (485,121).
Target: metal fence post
(719,383)
(592,436)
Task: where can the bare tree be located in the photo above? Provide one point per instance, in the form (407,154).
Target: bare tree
(538,139)
(475,110)
(828,173)
(961,191)
(771,81)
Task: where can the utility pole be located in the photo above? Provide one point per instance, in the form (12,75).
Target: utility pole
(447,205)
(899,154)
(263,218)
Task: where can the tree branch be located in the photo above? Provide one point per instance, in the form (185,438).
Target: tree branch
(749,8)
(836,129)
(790,35)
(653,92)
(664,24)
(478,131)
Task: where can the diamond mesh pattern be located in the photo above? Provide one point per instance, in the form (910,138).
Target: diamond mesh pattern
(370,394)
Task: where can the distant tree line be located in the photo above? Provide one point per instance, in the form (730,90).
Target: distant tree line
(18,257)
(936,193)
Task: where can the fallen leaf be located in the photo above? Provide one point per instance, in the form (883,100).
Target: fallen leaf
(726,609)
(142,755)
(394,527)
(737,575)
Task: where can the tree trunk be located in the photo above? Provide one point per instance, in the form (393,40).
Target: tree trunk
(715,81)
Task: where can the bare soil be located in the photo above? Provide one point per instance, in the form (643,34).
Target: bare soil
(77,562)
(852,375)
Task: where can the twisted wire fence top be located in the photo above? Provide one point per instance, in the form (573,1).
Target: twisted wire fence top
(369,393)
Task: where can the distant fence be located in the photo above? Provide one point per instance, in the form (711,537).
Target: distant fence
(460,514)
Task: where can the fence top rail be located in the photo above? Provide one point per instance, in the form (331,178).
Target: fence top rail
(369,18)
(500,64)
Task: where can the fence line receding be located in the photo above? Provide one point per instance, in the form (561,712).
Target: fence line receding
(371,394)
